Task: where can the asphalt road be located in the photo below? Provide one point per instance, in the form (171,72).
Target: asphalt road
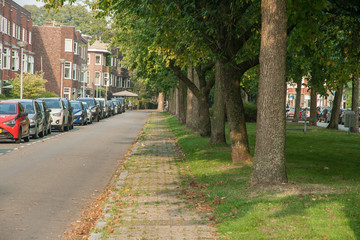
(45,184)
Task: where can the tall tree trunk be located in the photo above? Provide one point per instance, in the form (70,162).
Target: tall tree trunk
(334,119)
(192,113)
(218,119)
(182,103)
(269,159)
(298,100)
(236,114)
(161,102)
(204,124)
(172,102)
(355,103)
(313,110)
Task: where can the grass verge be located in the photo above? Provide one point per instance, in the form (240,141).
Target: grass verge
(321,200)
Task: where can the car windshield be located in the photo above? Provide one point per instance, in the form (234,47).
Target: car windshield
(8,108)
(88,101)
(76,105)
(51,103)
(66,102)
(41,106)
(29,107)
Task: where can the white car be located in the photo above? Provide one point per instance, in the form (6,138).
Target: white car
(88,110)
(59,113)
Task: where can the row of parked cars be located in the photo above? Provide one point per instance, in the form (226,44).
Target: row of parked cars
(25,118)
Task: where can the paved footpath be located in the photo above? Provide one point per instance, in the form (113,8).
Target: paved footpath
(145,202)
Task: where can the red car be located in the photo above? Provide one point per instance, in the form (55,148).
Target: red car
(14,122)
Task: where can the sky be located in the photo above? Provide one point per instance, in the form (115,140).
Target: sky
(29,2)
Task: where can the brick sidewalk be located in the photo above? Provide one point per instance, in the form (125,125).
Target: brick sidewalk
(145,204)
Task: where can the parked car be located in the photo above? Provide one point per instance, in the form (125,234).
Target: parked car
(111,108)
(325,115)
(305,113)
(341,116)
(88,111)
(71,113)
(59,113)
(14,121)
(116,106)
(94,107)
(46,116)
(104,108)
(80,113)
(35,116)
(290,113)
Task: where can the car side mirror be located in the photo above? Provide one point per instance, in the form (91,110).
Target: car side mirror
(48,110)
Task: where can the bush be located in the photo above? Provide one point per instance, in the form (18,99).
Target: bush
(3,96)
(250,112)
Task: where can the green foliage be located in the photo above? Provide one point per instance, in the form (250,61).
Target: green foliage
(320,201)
(33,85)
(3,96)
(48,95)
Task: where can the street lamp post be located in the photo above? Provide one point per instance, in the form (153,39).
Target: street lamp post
(62,61)
(21,44)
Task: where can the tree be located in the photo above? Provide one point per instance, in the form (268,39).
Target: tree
(33,85)
(269,159)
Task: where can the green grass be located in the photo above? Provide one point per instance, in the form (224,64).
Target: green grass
(321,200)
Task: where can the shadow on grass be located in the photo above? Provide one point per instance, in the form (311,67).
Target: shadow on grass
(320,202)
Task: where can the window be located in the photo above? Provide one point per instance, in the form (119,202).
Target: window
(111,80)
(18,32)
(106,79)
(74,72)
(23,34)
(68,45)
(67,71)
(118,82)
(97,79)
(75,48)
(88,60)
(97,59)
(24,64)
(1,54)
(128,83)
(14,30)
(31,64)
(4,25)
(14,60)
(67,92)
(6,59)
(29,37)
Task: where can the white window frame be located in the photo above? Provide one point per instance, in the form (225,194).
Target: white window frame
(76,48)
(67,70)
(88,77)
(68,45)
(14,30)
(31,64)
(30,39)
(74,71)
(106,79)
(6,58)
(67,92)
(14,60)
(98,55)
(95,78)
(24,64)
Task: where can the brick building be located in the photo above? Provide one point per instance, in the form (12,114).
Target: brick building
(61,53)
(15,28)
(105,70)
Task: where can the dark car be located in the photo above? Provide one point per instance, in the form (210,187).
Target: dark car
(341,116)
(80,113)
(71,113)
(94,107)
(46,116)
(14,123)
(325,115)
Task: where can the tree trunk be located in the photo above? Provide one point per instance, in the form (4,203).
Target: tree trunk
(298,100)
(161,102)
(355,103)
(192,113)
(204,124)
(182,103)
(218,120)
(172,102)
(313,110)
(334,119)
(269,159)
(236,114)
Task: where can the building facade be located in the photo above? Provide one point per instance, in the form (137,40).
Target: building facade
(105,72)
(61,53)
(16,37)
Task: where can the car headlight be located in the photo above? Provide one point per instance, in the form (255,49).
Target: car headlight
(57,114)
(11,122)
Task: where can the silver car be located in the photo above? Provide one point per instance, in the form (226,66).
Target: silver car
(59,113)
(88,110)
(35,116)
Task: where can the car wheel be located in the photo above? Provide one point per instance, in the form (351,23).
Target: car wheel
(67,127)
(18,140)
(97,118)
(49,130)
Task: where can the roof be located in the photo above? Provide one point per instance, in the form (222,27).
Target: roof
(98,46)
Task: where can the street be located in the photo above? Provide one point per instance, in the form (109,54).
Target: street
(45,184)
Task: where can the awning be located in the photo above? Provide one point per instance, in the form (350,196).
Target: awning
(125,94)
